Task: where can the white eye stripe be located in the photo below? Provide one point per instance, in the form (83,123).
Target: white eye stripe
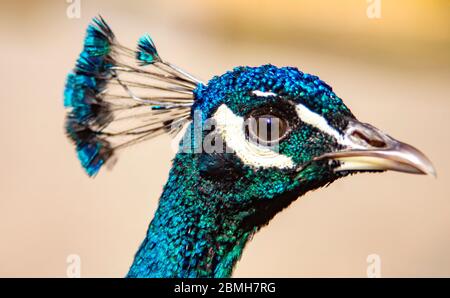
(309,117)
(263,94)
(231,128)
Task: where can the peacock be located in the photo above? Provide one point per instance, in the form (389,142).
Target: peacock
(253,140)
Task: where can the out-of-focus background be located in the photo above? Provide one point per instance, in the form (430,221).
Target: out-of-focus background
(393,72)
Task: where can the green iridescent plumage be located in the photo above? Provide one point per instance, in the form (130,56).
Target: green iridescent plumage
(213,203)
(214,200)
(205,219)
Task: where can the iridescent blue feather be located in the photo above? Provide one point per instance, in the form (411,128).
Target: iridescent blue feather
(82,87)
(79,91)
(103,85)
(147,53)
(92,156)
(99,38)
(94,65)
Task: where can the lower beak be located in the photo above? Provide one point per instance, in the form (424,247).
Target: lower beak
(369,149)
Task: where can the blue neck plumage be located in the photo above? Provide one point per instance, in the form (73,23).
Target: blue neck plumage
(193,233)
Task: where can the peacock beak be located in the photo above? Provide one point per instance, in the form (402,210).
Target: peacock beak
(369,149)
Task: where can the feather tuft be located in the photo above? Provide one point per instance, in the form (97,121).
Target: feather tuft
(92,156)
(147,53)
(92,151)
(99,38)
(113,103)
(79,91)
(81,94)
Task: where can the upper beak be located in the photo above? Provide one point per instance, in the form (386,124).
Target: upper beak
(367,148)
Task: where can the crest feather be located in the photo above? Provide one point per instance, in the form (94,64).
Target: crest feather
(147,53)
(117,97)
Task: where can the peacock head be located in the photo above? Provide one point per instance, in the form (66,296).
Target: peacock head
(269,132)
(257,139)
(256,133)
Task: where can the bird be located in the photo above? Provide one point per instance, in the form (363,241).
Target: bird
(253,140)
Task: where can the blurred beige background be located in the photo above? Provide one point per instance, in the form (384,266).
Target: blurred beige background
(393,72)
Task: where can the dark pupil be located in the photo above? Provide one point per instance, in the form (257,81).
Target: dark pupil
(266,128)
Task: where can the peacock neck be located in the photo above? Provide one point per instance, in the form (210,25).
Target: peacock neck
(193,232)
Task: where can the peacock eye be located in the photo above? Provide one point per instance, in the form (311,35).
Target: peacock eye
(266,127)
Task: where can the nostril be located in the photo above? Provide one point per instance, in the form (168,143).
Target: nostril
(374,142)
